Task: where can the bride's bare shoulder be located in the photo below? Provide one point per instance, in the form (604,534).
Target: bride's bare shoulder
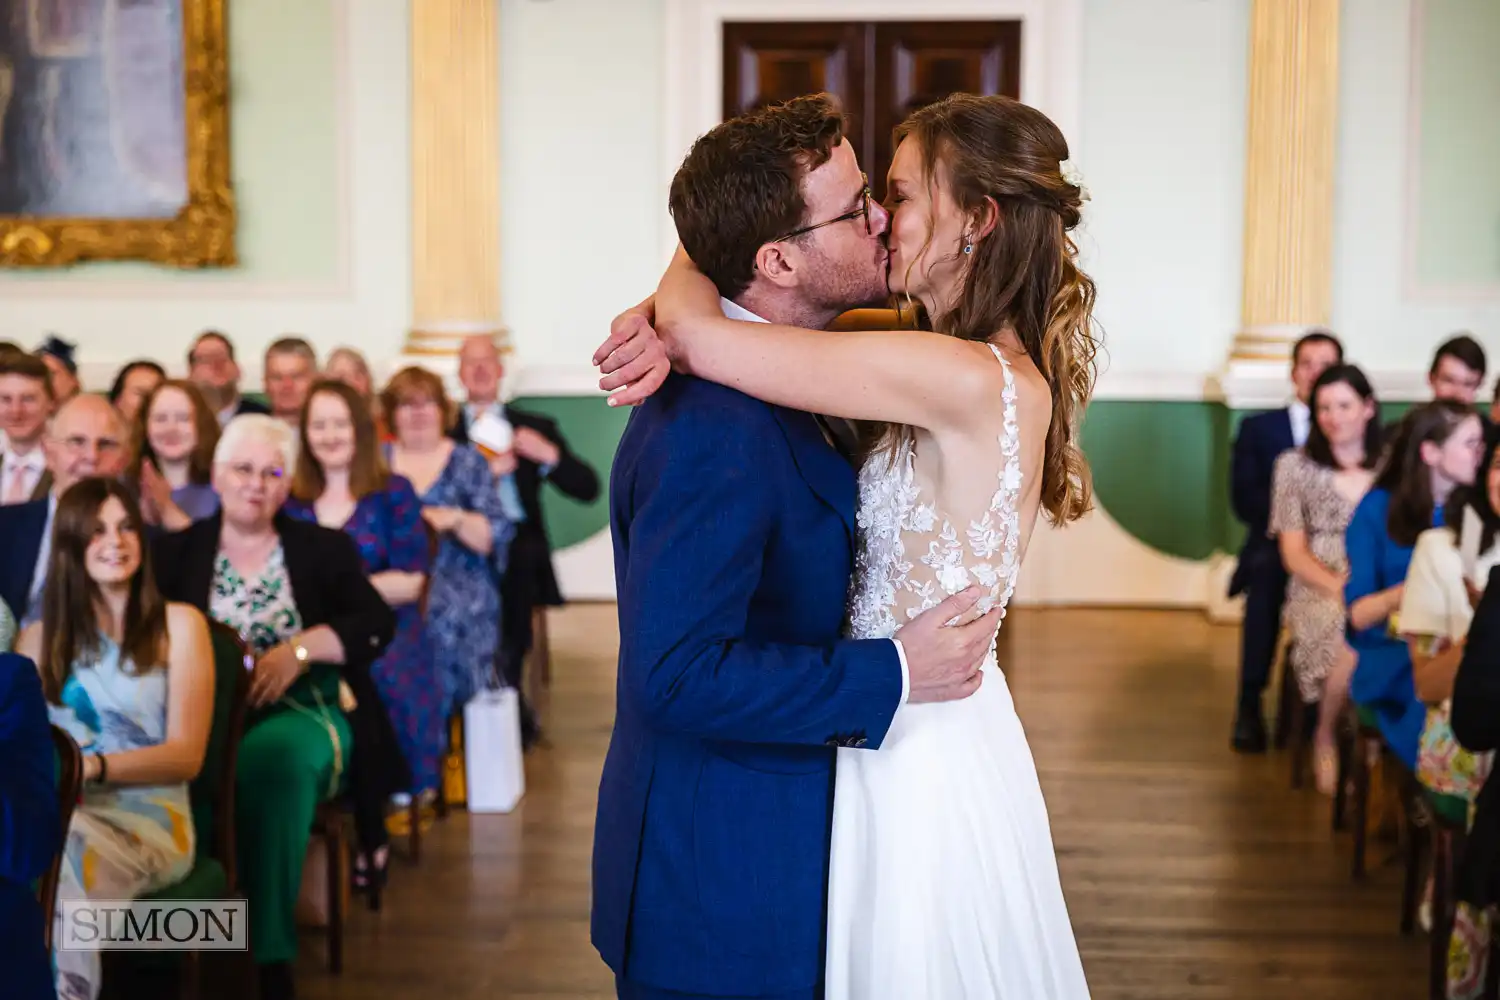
(1033,393)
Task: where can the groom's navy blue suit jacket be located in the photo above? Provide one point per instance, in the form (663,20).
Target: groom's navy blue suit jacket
(733,525)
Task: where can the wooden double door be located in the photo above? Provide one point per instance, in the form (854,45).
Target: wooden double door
(880,71)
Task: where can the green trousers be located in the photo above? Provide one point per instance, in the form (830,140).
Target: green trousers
(285,768)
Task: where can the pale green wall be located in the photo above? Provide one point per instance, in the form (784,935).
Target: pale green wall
(284,129)
(1458,198)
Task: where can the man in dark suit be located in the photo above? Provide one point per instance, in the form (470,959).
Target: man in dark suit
(540,455)
(1259,574)
(86,438)
(213,369)
(29,834)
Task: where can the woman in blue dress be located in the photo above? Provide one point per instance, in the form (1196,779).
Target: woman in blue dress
(1437,447)
(341,482)
(130,677)
(461,501)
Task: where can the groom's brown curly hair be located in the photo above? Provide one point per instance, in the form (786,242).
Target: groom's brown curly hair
(741,184)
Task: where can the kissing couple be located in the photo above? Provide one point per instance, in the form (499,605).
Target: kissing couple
(817,785)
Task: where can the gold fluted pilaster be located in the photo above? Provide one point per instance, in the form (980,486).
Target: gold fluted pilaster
(1293,120)
(455,172)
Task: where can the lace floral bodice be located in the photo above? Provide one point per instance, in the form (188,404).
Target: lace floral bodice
(912,555)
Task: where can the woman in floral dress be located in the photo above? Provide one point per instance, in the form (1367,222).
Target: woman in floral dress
(461,501)
(1315,491)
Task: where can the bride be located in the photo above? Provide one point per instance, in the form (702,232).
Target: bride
(943,880)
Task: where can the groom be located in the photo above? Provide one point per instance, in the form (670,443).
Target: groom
(734,534)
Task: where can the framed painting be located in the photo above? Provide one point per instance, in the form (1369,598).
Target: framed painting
(114,133)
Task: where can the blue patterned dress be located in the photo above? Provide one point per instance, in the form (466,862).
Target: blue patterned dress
(387,528)
(463,605)
(124,841)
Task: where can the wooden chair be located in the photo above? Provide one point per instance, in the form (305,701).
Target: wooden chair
(1365,742)
(69,788)
(541,648)
(329,823)
(1447,826)
(211,796)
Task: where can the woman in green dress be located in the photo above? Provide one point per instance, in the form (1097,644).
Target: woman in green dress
(297,594)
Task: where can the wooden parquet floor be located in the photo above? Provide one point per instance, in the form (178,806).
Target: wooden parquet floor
(1189,872)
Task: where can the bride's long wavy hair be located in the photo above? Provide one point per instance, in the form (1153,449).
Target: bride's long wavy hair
(1024,275)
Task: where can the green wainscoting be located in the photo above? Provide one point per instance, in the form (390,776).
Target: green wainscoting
(592,429)
(1160,468)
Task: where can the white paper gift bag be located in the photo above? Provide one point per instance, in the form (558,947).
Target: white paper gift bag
(496,776)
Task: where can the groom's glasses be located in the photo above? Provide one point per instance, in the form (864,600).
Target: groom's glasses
(863,209)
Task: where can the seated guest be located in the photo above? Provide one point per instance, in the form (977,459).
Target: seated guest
(25,404)
(131,679)
(1437,447)
(291,367)
(1259,574)
(29,834)
(213,369)
(86,438)
(1448,566)
(175,436)
(133,385)
(1457,370)
(297,594)
(540,456)
(341,482)
(461,501)
(1476,724)
(62,369)
(1316,490)
(348,366)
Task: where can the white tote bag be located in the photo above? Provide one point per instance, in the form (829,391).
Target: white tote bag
(496,776)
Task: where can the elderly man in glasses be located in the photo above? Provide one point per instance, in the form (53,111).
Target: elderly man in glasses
(86,437)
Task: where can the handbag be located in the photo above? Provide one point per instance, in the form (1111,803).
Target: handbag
(1443,765)
(492,751)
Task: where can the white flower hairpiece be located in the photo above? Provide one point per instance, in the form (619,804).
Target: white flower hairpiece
(1073,176)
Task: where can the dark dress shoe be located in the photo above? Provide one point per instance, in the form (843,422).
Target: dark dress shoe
(276,981)
(1249,734)
(531,727)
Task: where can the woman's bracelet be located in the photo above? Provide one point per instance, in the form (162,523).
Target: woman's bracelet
(102,778)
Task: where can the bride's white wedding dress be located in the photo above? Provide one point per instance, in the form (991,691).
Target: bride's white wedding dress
(943,881)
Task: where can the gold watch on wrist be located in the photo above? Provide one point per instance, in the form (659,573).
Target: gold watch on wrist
(300,652)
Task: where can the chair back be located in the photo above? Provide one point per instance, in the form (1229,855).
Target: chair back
(212,791)
(69,787)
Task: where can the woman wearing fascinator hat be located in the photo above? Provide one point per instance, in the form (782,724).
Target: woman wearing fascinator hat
(57,354)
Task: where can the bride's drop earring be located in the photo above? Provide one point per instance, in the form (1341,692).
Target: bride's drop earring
(968,245)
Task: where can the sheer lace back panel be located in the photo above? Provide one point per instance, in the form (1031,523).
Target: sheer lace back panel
(918,547)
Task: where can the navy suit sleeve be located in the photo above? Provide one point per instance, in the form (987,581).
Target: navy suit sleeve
(28,791)
(702,515)
(1250,474)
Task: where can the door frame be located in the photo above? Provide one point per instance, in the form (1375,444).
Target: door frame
(693,54)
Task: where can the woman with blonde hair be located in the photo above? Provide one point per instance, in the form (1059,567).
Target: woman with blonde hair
(943,880)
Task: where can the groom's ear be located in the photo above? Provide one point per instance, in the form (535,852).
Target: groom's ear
(775,263)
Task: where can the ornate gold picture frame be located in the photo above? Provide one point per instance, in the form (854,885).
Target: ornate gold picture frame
(114,133)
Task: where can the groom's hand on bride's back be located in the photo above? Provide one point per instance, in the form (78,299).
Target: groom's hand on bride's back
(942,660)
(633,360)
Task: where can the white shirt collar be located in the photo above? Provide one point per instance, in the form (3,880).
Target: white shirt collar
(733,310)
(33,459)
(1300,417)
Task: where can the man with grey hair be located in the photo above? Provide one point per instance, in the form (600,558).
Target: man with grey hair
(86,437)
(290,369)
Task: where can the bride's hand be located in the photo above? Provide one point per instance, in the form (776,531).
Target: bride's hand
(633,360)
